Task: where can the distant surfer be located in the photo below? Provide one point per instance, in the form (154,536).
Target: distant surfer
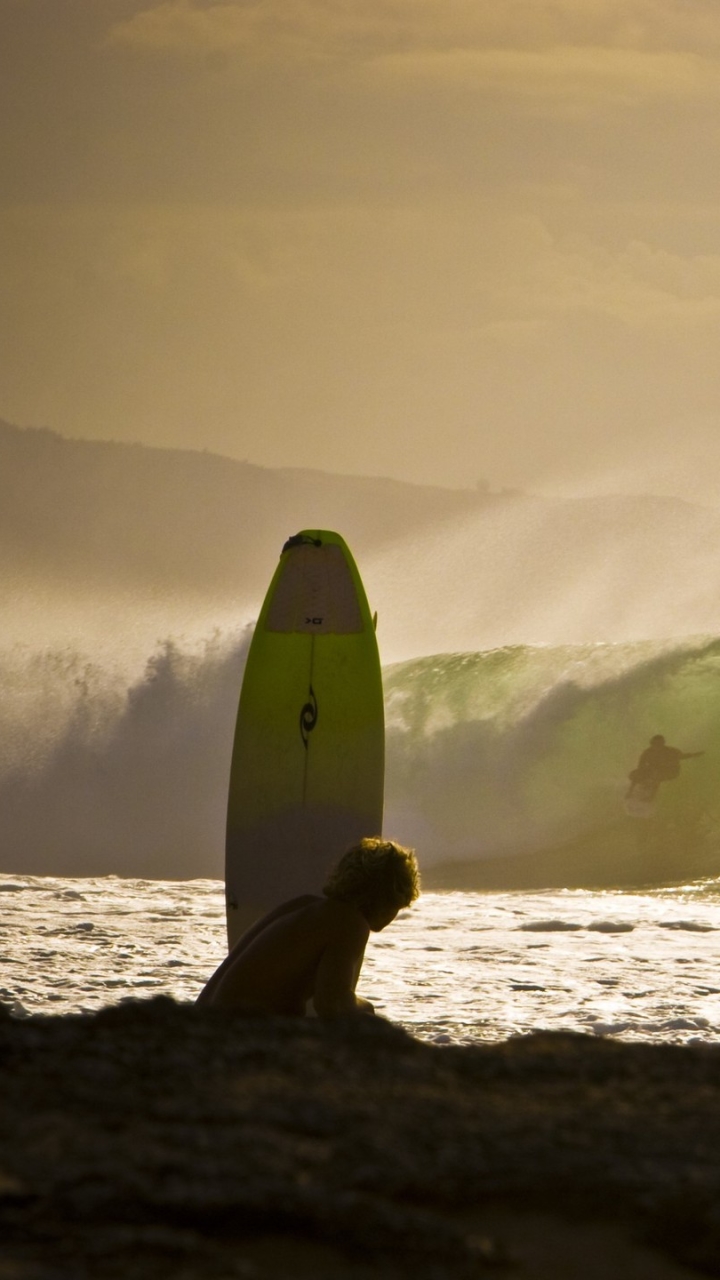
(312,948)
(658,763)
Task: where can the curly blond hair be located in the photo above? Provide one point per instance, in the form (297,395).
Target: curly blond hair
(375,871)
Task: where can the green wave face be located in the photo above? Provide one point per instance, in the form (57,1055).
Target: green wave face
(521,749)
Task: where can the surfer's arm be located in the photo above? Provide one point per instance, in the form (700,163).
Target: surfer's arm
(338,971)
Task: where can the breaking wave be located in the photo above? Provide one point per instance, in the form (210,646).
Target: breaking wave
(489,754)
(97,777)
(520,749)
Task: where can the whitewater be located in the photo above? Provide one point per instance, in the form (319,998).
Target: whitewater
(454,968)
(531,646)
(491,754)
(113,789)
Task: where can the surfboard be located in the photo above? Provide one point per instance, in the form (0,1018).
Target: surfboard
(641,804)
(307,771)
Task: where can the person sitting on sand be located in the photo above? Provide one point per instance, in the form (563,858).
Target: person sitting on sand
(658,763)
(312,948)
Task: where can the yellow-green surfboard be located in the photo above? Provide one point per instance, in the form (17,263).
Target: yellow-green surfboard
(308,765)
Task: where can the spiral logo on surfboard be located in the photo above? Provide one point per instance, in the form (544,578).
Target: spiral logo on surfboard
(308,718)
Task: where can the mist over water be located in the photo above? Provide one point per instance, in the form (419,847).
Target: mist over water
(541,572)
(531,646)
(489,753)
(98,776)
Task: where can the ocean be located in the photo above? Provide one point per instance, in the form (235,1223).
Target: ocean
(490,754)
(113,787)
(454,968)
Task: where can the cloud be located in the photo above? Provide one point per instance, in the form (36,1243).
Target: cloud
(499,269)
(583,75)
(302,29)
(638,284)
(575,54)
(284,30)
(344,335)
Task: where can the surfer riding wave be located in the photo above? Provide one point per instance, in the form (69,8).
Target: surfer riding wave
(658,763)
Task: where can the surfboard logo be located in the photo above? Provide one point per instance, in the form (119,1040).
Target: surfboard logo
(308,718)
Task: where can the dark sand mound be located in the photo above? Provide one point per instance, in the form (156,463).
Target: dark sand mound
(156,1140)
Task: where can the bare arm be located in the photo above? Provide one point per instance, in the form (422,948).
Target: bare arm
(339,969)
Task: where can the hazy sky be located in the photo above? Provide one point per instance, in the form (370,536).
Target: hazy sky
(434,239)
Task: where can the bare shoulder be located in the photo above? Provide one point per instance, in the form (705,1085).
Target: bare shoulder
(342,919)
(286,910)
(296,904)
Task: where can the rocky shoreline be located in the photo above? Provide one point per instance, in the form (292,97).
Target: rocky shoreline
(159,1140)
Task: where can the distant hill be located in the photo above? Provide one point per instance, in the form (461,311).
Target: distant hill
(158,541)
(103,514)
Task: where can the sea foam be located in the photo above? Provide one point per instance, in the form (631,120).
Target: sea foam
(489,754)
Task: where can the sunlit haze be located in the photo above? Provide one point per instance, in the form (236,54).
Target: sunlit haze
(440,240)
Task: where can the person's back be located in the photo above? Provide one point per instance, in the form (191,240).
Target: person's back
(660,762)
(312,948)
(302,954)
